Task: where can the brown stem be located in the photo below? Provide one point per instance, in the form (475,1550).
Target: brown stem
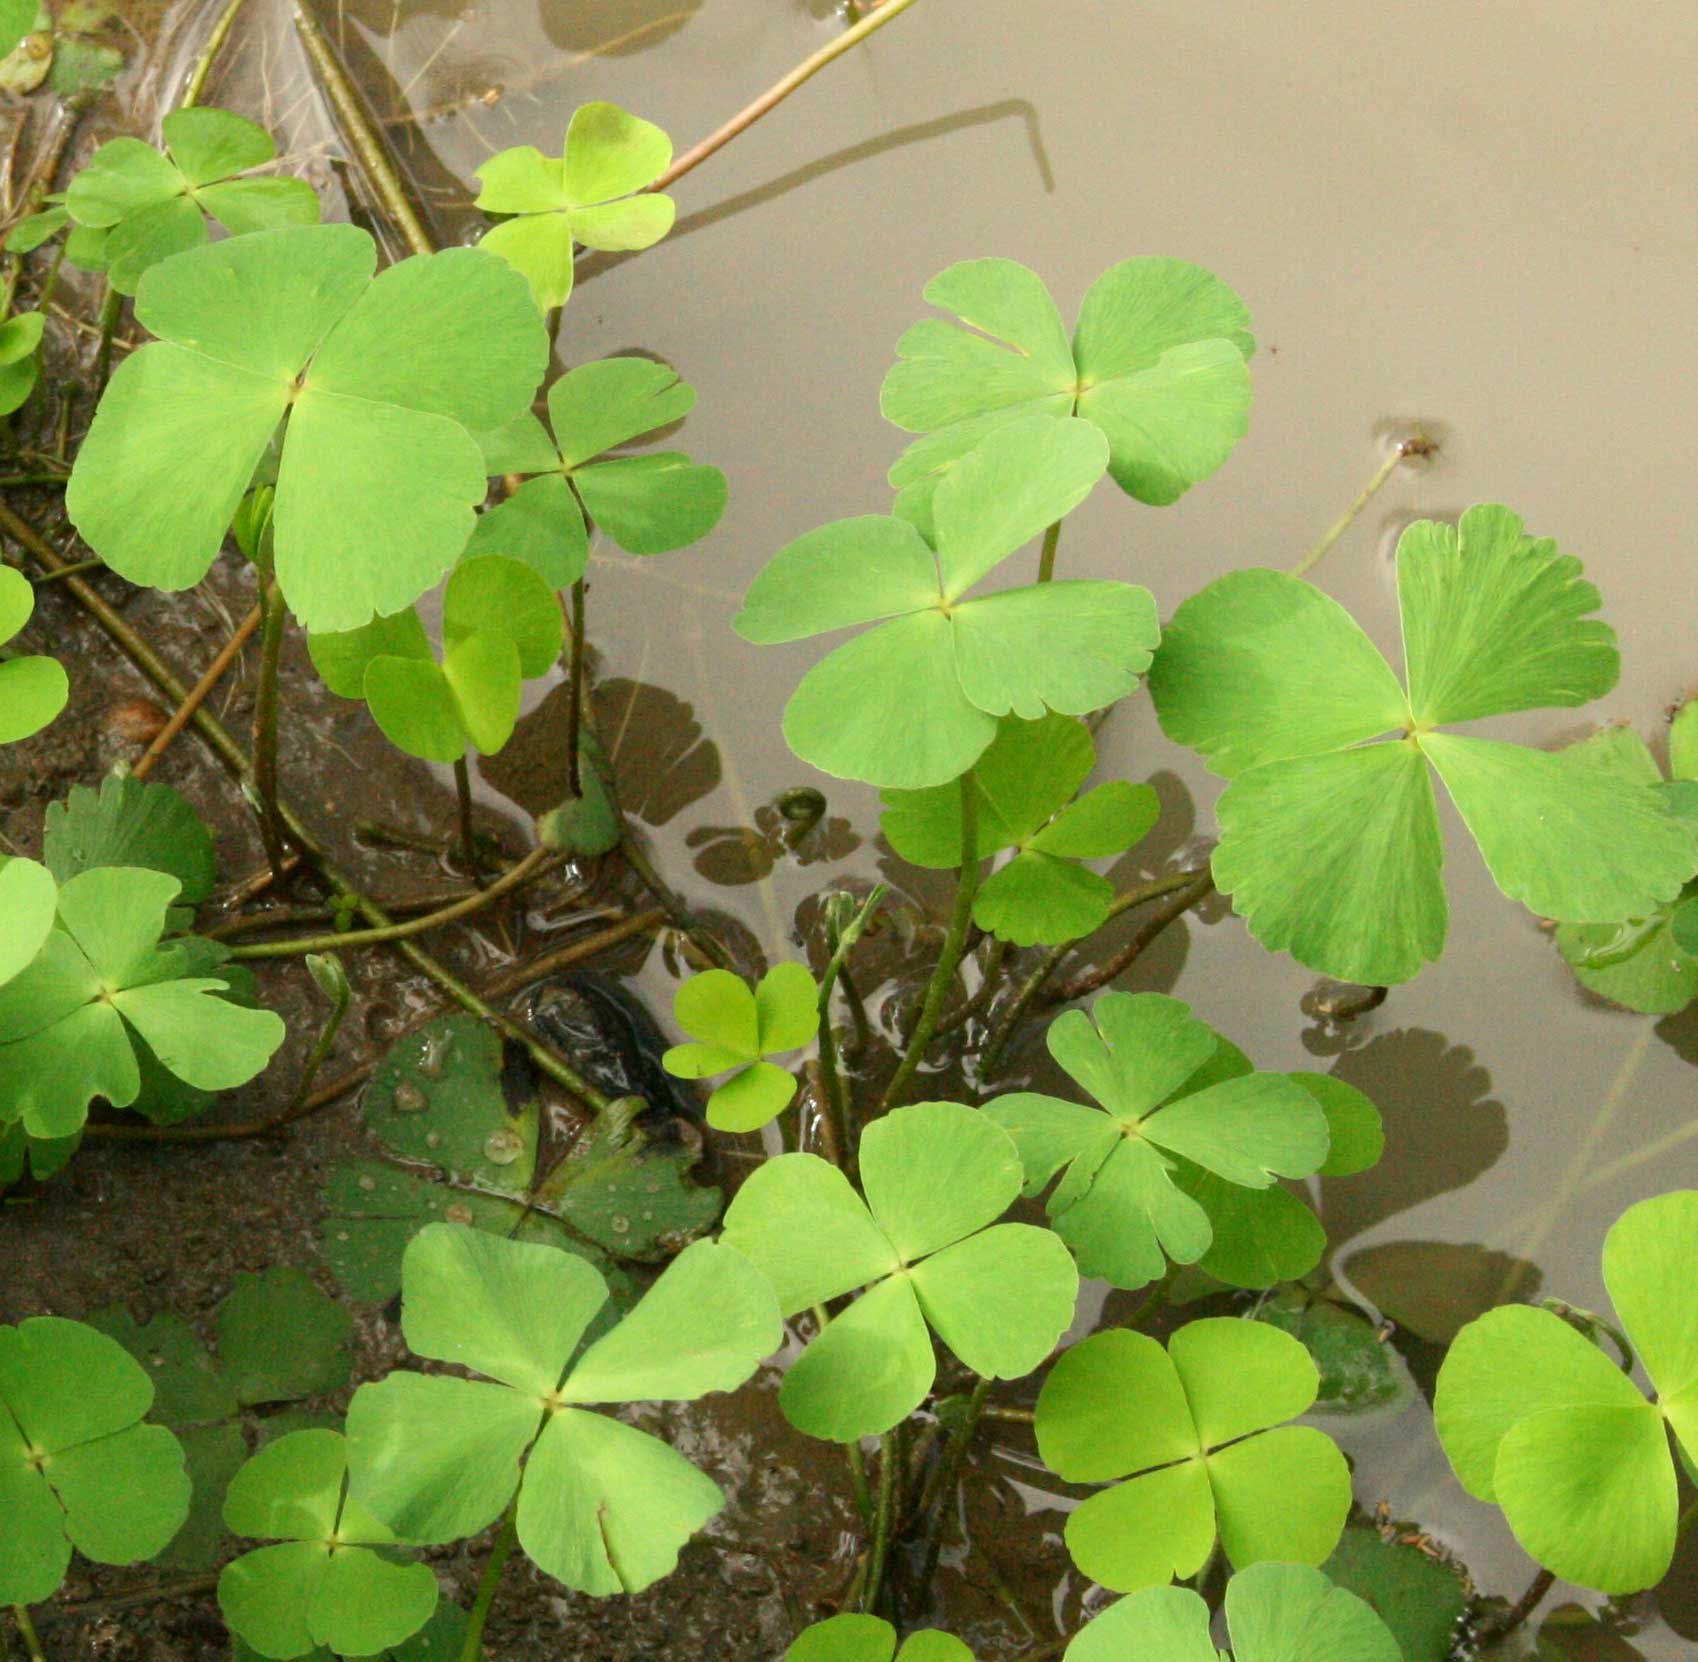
(1177,905)
(197,694)
(1500,1626)
(465,840)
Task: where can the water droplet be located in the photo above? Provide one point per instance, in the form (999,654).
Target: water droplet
(435,1057)
(368,1184)
(409,1099)
(502,1148)
(457,1213)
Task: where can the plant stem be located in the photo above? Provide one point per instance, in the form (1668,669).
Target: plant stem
(836,1101)
(780,90)
(575,694)
(198,693)
(943,977)
(1046,559)
(1177,905)
(32,1639)
(1507,1621)
(945,1476)
(489,1581)
(463,802)
(111,308)
(265,726)
(214,45)
(989,976)
(676,910)
(369,148)
(1416,444)
(858,1481)
(320,1050)
(533,865)
(884,1513)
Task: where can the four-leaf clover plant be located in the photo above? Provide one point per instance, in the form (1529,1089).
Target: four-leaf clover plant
(736,1029)
(856,1638)
(33,688)
(1198,1433)
(601,1506)
(926,1246)
(324,1580)
(916,701)
(1026,784)
(1540,1421)
(596,193)
(648,504)
(1150,1065)
(1330,843)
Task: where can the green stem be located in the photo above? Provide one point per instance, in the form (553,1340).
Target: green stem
(945,1476)
(472,1650)
(575,694)
(32,1639)
(1417,444)
(943,977)
(780,90)
(884,1515)
(463,803)
(531,866)
(274,614)
(326,1038)
(1687,1519)
(844,935)
(369,148)
(989,979)
(111,308)
(680,914)
(1177,904)
(214,45)
(1046,559)
(858,1480)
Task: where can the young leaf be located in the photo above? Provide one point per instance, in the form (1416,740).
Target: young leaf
(379,380)
(1285,696)
(1148,1063)
(736,1030)
(602,1507)
(33,690)
(20,342)
(70,1023)
(1274,1613)
(913,702)
(323,1583)
(150,205)
(130,822)
(77,1466)
(998,1295)
(588,195)
(1025,784)
(29,898)
(1537,1418)
(1197,1431)
(1157,363)
(854,1638)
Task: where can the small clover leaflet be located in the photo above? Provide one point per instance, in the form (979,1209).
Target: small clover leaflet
(322,1582)
(596,193)
(104,986)
(925,1244)
(1026,783)
(78,1468)
(915,701)
(1538,1420)
(20,365)
(33,689)
(131,822)
(145,206)
(602,1506)
(1197,1431)
(29,899)
(648,504)
(501,626)
(1157,362)
(1279,688)
(855,1638)
(379,378)
(1274,1613)
(1150,1065)
(1648,963)
(738,1029)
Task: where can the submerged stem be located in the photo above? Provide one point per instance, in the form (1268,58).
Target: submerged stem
(111,308)
(472,1650)
(265,726)
(884,1515)
(209,53)
(1417,444)
(780,90)
(946,1476)
(1507,1621)
(943,977)
(575,694)
(198,693)
(463,802)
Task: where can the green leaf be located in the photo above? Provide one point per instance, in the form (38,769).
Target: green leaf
(20,369)
(738,1028)
(653,504)
(851,571)
(483,675)
(76,1466)
(17,18)
(540,525)
(601,405)
(29,899)
(500,597)
(131,822)
(1355,1364)
(342,659)
(1419,1598)
(379,379)
(855,1638)
(1157,364)
(281,1339)
(1197,1448)
(33,690)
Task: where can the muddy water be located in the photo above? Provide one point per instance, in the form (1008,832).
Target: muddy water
(1482,218)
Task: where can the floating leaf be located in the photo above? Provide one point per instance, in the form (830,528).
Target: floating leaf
(915,701)
(1539,1420)
(1282,692)
(130,822)
(379,380)
(854,1638)
(77,1466)
(33,690)
(1420,1598)
(1150,1066)
(926,1245)
(1157,363)
(736,1030)
(1274,1613)
(1357,1367)
(1197,1430)
(71,1023)
(597,194)
(602,1507)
